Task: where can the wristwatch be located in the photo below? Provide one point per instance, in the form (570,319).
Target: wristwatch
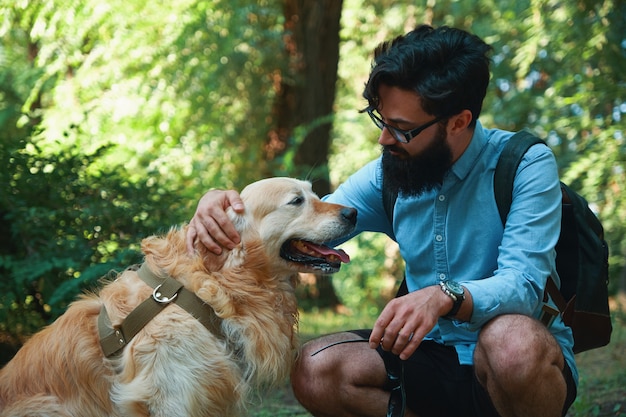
(455,291)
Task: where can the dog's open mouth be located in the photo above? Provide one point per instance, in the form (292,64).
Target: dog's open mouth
(314,256)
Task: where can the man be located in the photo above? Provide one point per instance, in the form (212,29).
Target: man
(466,333)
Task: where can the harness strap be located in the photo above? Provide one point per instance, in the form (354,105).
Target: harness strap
(166,291)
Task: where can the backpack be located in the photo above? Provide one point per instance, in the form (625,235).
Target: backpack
(581,253)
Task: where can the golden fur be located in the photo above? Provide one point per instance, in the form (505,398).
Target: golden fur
(175,366)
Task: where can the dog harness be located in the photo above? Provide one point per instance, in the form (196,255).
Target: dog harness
(166,291)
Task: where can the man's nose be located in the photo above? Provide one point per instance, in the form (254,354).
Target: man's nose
(386,138)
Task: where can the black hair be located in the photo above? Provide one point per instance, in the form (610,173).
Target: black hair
(448,68)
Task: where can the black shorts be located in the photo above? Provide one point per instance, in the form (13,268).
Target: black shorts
(437,385)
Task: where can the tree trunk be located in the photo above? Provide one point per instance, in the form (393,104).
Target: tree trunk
(306,90)
(303,108)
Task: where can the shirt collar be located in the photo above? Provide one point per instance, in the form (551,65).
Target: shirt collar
(467,161)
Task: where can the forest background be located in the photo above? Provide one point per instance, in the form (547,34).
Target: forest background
(117,115)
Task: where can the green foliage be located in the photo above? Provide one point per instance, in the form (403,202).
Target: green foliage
(602,382)
(66,226)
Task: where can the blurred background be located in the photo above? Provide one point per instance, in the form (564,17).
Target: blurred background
(117,115)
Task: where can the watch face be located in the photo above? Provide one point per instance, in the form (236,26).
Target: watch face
(455,287)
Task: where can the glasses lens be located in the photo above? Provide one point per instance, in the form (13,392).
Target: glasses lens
(397,135)
(377,121)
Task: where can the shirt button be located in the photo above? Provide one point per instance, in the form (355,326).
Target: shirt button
(438,238)
(442,197)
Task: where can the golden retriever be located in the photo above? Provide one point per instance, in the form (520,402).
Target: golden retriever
(174,366)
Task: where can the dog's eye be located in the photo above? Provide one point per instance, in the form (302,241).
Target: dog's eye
(297,201)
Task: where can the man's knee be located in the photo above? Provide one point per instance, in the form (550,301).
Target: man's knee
(520,364)
(303,376)
(515,347)
(314,371)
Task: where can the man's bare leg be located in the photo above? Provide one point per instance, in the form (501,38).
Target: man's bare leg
(520,364)
(343,380)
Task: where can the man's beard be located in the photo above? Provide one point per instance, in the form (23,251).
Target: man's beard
(420,173)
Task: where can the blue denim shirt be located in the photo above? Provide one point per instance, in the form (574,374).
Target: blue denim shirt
(455,232)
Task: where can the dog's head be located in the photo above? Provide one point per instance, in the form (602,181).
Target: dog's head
(293,224)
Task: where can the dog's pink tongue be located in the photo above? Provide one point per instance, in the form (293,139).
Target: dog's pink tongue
(327,251)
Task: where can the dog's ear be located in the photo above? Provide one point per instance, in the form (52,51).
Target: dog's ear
(241,221)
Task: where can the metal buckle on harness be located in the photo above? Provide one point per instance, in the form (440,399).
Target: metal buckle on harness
(160,298)
(548,314)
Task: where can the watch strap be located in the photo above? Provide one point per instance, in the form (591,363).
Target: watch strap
(456,298)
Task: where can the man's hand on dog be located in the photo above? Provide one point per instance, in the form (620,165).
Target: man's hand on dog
(210,224)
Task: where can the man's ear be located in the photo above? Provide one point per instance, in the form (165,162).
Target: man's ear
(459,122)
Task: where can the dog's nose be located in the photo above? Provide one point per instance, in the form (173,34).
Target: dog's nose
(349,214)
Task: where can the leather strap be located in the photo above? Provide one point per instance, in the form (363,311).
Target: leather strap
(166,291)
(396,407)
(506,169)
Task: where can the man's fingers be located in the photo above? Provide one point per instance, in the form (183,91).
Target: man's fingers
(379,330)
(190,238)
(410,347)
(218,229)
(234,200)
(211,226)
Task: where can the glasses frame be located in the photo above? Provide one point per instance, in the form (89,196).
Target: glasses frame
(402,136)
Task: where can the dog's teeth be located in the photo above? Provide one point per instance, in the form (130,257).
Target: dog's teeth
(316,251)
(302,247)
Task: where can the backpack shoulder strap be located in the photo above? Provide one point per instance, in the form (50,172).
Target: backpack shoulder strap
(503,178)
(389,200)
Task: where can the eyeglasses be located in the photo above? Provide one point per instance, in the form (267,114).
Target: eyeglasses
(402,136)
